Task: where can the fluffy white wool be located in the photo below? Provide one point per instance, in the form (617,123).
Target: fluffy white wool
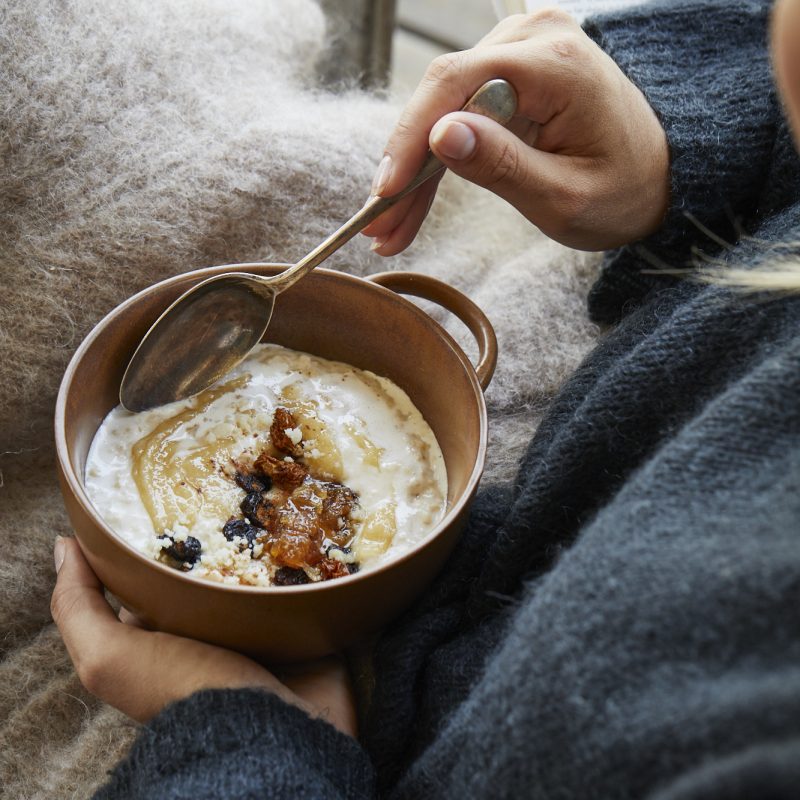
(142,139)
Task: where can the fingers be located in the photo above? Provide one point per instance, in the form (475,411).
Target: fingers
(539,54)
(545,56)
(138,671)
(87,622)
(394,230)
(78,605)
(485,153)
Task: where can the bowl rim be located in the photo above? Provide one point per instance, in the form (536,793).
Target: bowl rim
(76,484)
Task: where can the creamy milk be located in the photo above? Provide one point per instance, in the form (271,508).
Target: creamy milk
(168,471)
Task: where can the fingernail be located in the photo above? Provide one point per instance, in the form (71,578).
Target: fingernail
(453,139)
(379,242)
(58,552)
(382,175)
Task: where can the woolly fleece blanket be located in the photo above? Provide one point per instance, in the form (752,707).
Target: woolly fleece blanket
(143,139)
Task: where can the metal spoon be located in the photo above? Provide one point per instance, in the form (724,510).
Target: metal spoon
(208,330)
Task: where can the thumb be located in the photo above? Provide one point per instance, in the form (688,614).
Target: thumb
(78,605)
(484,152)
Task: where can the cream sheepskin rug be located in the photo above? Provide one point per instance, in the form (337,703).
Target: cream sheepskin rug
(142,139)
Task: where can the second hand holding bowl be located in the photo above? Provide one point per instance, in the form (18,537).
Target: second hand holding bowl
(211,328)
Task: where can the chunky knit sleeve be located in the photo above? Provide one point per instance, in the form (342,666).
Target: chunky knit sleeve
(705,70)
(240,744)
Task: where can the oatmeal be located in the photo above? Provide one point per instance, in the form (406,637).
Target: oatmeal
(292,469)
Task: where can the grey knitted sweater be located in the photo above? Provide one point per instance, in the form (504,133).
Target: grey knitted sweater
(624,620)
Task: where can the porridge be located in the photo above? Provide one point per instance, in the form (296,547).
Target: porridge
(291,469)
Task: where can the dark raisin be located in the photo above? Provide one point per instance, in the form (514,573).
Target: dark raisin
(253,483)
(288,576)
(353,567)
(258,509)
(249,506)
(187,551)
(241,528)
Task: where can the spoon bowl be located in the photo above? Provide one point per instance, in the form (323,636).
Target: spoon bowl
(199,338)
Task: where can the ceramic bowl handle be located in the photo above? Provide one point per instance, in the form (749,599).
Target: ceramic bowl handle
(456,303)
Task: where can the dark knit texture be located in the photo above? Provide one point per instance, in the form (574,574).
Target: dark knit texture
(704,68)
(623,621)
(242,744)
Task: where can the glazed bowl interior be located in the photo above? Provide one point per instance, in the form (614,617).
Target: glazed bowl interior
(331,315)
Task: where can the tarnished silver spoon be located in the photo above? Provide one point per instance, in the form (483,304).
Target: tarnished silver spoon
(209,329)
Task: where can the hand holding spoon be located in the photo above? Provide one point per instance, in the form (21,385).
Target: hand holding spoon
(212,327)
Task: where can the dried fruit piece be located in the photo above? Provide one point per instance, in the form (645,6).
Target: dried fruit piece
(258,509)
(285,475)
(296,518)
(282,422)
(185,552)
(242,529)
(337,505)
(286,576)
(294,548)
(331,568)
(252,483)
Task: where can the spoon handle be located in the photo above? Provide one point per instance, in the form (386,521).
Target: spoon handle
(496,99)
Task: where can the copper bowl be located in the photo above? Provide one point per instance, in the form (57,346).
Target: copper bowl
(363,322)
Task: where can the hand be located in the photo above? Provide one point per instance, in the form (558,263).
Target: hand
(598,175)
(139,671)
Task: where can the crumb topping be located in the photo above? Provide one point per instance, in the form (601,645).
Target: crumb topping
(299,524)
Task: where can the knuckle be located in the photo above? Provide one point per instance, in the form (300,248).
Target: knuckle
(93,672)
(504,167)
(62,603)
(515,23)
(517,27)
(56,606)
(514,20)
(509,24)
(405,129)
(551,16)
(444,68)
(567,46)
(102,667)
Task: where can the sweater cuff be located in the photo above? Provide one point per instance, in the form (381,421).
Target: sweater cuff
(236,744)
(705,70)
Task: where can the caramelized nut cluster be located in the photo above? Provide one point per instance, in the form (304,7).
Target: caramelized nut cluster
(299,522)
